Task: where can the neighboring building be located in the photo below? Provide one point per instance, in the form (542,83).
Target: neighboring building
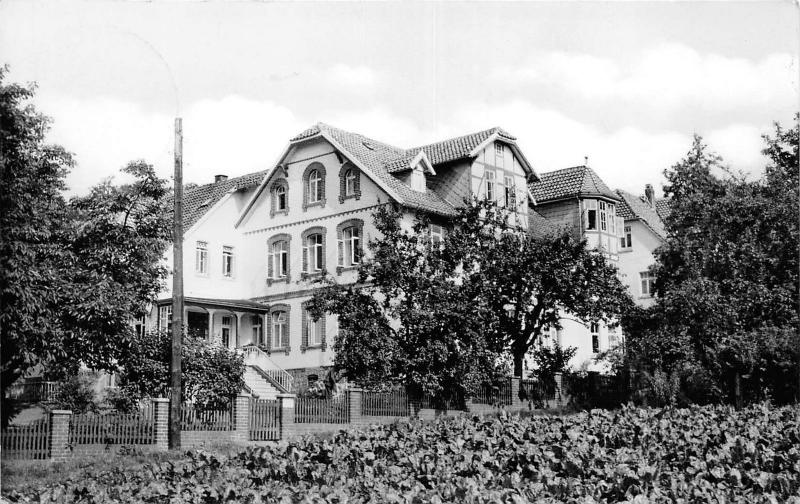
(642,234)
(577,199)
(254,245)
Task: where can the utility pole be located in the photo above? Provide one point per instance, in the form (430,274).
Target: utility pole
(177,294)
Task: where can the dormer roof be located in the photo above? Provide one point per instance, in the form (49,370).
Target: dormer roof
(574,182)
(636,207)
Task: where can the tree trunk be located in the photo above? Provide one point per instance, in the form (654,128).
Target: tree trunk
(518,364)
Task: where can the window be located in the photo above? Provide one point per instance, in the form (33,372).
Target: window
(314,332)
(612,219)
(490,185)
(258,332)
(603,224)
(349,234)
(417,180)
(278,258)
(510,192)
(314,187)
(591,214)
(498,154)
(313,253)
(594,328)
(625,240)
(280,198)
(201,258)
(227,261)
(165,317)
(226,331)
(613,339)
(437,234)
(139,326)
(349,182)
(648,283)
(280,329)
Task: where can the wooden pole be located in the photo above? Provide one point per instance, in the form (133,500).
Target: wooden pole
(177,294)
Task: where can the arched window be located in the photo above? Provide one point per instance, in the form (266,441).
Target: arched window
(280,198)
(314,185)
(278,335)
(349,182)
(314,253)
(349,235)
(278,259)
(313,335)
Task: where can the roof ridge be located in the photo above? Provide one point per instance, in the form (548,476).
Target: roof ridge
(458,137)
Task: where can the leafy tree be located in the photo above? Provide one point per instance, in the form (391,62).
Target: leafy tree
(72,274)
(211,375)
(527,281)
(727,279)
(406,320)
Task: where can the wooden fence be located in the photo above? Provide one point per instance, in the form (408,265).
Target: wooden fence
(264,420)
(198,419)
(393,403)
(325,410)
(537,391)
(31,441)
(497,394)
(113,428)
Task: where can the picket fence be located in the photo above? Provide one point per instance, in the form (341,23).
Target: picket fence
(30,441)
(394,403)
(194,418)
(135,428)
(264,420)
(321,410)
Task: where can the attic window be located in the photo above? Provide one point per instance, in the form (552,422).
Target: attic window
(368,146)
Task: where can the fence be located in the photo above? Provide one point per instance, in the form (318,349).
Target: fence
(498,394)
(537,391)
(194,418)
(136,428)
(31,441)
(34,391)
(453,402)
(325,410)
(393,403)
(264,420)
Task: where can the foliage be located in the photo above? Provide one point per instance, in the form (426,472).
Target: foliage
(727,282)
(551,359)
(211,375)
(77,393)
(528,281)
(707,454)
(72,273)
(406,321)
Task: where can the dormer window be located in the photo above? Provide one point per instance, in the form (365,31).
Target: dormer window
(418,179)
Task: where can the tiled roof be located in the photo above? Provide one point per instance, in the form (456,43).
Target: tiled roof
(662,208)
(199,200)
(636,207)
(568,183)
(448,150)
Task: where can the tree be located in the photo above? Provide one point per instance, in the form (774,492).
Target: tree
(211,375)
(727,278)
(449,317)
(73,274)
(406,320)
(527,282)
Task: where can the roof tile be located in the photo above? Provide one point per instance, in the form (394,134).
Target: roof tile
(568,183)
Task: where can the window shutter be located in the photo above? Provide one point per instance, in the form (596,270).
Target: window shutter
(304,332)
(341,249)
(322,250)
(321,186)
(270,265)
(323,344)
(357,182)
(305,257)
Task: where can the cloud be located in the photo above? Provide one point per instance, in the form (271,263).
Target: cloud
(664,78)
(353,78)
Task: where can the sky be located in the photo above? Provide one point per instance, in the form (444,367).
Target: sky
(624,84)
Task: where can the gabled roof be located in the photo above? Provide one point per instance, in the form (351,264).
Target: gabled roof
(636,207)
(199,200)
(662,208)
(577,181)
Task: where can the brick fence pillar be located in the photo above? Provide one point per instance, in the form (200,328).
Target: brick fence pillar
(286,423)
(59,435)
(241,418)
(560,399)
(354,396)
(161,423)
(516,402)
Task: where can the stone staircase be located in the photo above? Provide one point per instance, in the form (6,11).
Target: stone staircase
(263,377)
(258,384)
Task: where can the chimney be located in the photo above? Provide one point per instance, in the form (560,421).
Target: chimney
(220,178)
(648,195)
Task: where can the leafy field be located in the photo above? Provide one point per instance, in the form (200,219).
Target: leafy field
(701,454)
